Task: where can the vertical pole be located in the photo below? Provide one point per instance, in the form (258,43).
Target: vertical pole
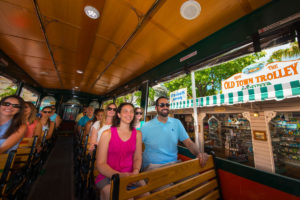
(100,102)
(199,142)
(38,101)
(144,97)
(19,88)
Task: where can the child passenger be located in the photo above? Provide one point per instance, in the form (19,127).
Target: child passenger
(138,115)
(12,128)
(119,150)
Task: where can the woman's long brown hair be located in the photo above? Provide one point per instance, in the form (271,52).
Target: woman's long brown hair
(117,120)
(17,119)
(102,123)
(32,115)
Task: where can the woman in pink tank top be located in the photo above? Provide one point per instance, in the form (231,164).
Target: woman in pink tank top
(34,127)
(119,150)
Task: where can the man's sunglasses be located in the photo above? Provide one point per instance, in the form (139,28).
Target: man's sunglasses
(110,109)
(163,105)
(138,113)
(46,111)
(13,105)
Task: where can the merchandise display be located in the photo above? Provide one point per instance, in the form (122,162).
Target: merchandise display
(229,136)
(285,133)
(188,123)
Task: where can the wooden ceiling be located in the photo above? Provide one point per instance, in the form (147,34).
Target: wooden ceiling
(130,37)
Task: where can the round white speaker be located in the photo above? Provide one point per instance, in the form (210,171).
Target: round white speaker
(190,9)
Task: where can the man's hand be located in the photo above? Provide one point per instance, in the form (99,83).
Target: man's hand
(203,157)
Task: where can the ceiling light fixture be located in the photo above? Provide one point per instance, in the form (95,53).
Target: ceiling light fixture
(76,88)
(190,9)
(79,71)
(91,12)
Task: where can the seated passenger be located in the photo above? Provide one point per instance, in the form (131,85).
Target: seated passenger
(46,122)
(161,136)
(79,116)
(89,116)
(12,128)
(55,117)
(119,150)
(34,126)
(138,115)
(94,125)
(105,124)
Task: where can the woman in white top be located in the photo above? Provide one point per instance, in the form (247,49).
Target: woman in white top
(110,112)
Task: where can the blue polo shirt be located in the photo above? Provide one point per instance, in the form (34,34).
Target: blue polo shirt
(83,120)
(161,140)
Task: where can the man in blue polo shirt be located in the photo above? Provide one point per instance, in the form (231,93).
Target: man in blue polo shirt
(161,136)
(89,116)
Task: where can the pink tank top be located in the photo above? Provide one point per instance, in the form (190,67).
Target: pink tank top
(120,154)
(30,129)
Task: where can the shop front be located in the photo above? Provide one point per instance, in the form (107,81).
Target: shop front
(256,121)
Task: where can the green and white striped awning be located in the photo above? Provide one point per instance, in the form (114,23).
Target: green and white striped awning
(270,92)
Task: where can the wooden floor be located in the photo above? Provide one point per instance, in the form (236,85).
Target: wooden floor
(56,180)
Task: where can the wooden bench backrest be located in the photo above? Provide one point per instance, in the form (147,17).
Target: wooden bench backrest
(3,159)
(25,151)
(6,162)
(190,181)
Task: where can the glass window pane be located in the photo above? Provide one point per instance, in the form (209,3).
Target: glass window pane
(105,103)
(28,95)
(229,136)
(95,104)
(7,87)
(285,132)
(73,101)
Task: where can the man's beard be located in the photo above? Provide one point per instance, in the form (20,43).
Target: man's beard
(163,114)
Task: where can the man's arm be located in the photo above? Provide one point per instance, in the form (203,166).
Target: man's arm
(203,157)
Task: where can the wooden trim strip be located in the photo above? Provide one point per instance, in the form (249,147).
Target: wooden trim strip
(163,176)
(200,191)
(185,185)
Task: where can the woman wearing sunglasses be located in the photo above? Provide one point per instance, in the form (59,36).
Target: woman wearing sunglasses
(138,115)
(105,124)
(119,150)
(12,128)
(34,126)
(47,124)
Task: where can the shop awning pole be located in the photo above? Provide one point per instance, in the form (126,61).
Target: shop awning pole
(199,143)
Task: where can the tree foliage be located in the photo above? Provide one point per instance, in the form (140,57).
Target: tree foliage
(280,54)
(8,91)
(208,81)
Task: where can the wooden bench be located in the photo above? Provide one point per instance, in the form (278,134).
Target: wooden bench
(190,181)
(6,162)
(25,152)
